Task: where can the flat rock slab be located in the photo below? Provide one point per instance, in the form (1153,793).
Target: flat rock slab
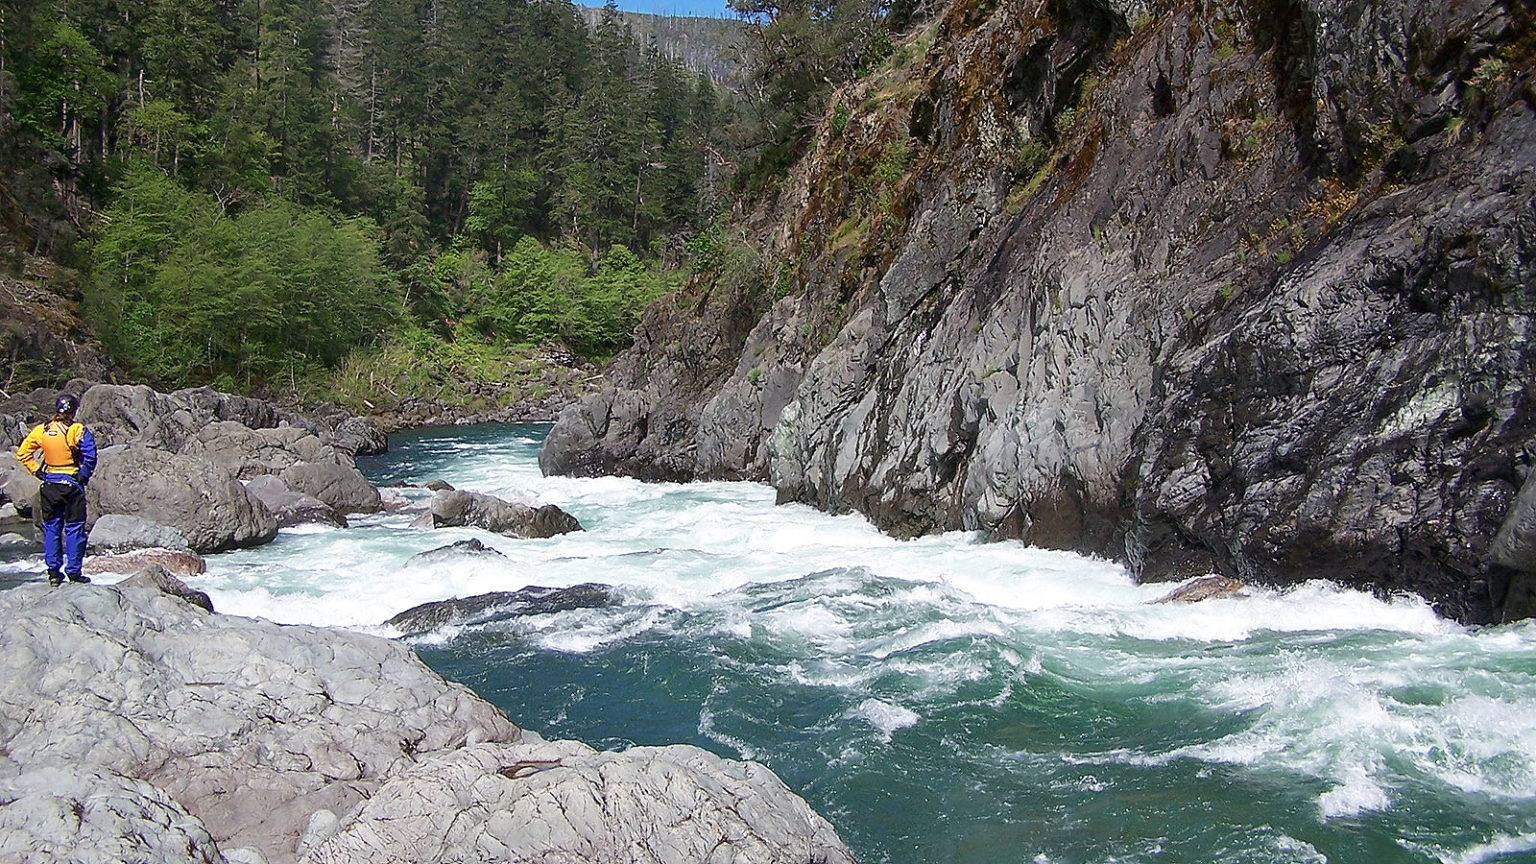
(173,561)
(138,727)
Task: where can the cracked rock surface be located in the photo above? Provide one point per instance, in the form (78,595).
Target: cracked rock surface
(137,727)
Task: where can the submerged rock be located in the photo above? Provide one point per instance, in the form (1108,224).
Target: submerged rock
(138,728)
(463,548)
(459,509)
(500,605)
(1203,588)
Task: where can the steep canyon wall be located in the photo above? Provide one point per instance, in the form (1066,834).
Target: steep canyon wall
(1210,286)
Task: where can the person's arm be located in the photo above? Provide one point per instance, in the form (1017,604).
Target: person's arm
(87,455)
(27,453)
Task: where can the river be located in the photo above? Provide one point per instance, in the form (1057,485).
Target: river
(944,699)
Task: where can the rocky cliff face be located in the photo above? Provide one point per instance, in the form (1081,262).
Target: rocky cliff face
(1213,286)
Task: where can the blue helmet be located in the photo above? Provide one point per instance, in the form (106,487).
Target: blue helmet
(66,404)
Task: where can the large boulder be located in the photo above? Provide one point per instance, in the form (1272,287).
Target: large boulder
(290,506)
(305,463)
(135,413)
(356,436)
(116,532)
(458,509)
(198,498)
(21,488)
(139,728)
(341,486)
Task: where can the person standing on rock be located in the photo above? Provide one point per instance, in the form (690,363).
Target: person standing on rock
(62,454)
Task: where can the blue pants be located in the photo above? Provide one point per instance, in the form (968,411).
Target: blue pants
(63,512)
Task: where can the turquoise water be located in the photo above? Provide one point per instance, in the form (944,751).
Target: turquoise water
(947,700)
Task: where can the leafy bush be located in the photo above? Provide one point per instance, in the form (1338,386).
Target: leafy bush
(189,292)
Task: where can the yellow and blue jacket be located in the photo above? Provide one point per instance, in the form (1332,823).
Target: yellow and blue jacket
(59,452)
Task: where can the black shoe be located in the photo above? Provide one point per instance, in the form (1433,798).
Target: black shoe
(55,579)
(79,577)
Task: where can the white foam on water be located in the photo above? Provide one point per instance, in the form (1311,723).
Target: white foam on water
(1356,794)
(1330,683)
(1500,847)
(885,717)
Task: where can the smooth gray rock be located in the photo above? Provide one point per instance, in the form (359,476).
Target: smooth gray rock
(291,507)
(201,500)
(122,414)
(8,512)
(12,539)
(116,532)
(139,728)
(157,578)
(476,509)
(539,801)
(341,486)
(178,562)
(500,605)
(21,487)
(253,452)
(302,460)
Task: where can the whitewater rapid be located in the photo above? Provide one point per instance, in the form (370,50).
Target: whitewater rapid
(947,699)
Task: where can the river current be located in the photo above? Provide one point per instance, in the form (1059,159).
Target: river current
(945,699)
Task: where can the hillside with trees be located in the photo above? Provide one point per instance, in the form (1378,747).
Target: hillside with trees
(261,194)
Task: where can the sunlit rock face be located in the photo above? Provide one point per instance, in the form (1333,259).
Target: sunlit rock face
(1235,288)
(139,727)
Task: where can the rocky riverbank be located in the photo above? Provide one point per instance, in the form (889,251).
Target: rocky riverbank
(139,727)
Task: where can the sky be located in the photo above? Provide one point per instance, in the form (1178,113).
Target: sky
(710,8)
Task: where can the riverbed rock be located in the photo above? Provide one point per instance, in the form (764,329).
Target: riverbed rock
(11,540)
(453,551)
(476,509)
(500,605)
(139,727)
(1203,588)
(291,507)
(177,562)
(118,532)
(200,499)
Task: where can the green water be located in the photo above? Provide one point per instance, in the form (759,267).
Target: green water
(947,700)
